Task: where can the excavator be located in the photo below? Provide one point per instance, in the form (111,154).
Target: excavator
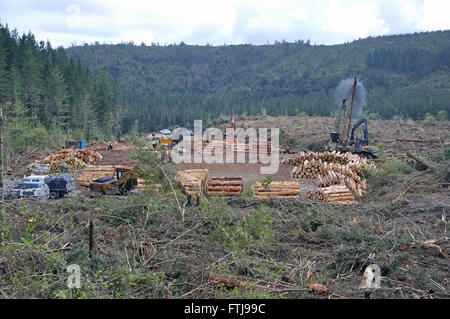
(125,180)
(343,139)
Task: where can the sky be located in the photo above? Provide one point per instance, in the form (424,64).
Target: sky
(220,22)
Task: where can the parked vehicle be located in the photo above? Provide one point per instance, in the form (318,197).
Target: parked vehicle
(165,132)
(60,186)
(34,185)
(124,181)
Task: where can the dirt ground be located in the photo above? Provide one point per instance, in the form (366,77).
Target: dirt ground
(303,132)
(251,173)
(119,155)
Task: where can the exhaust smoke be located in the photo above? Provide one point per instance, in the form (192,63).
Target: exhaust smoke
(344,91)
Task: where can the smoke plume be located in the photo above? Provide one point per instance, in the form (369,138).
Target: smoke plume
(344,91)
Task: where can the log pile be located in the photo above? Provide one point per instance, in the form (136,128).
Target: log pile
(225,186)
(335,194)
(210,147)
(97,146)
(141,186)
(74,158)
(192,180)
(94,172)
(336,157)
(308,169)
(285,189)
(331,168)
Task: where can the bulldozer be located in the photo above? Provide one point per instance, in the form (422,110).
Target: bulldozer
(343,138)
(124,181)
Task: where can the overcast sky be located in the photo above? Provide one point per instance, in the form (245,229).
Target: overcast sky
(220,22)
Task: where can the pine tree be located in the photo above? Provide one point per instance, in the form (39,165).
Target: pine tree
(57,92)
(4,78)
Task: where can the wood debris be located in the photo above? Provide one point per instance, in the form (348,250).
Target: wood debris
(228,283)
(318,289)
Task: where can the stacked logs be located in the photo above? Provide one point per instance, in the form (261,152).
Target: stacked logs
(285,189)
(210,147)
(308,169)
(331,168)
(94,172)
(335,194)
(316,194)
(334,157)
(193,181)
(74,158)
(97,146)
(142,186)
(225,186)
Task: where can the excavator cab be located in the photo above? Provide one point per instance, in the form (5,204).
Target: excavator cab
(361,145)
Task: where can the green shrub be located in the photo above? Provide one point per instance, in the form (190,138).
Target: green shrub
(266,181)
(248,192)
(429,119)
(442,115)
(390,172)
(443,156)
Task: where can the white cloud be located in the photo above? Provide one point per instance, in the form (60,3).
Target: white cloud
(435,15)
(218,22)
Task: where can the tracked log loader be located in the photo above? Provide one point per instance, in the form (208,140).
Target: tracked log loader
(343,138)
(125,180)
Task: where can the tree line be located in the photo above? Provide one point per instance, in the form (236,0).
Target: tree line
(166,85)
(47,96)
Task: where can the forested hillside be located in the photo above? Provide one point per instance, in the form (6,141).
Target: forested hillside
(173,84)
(46,96)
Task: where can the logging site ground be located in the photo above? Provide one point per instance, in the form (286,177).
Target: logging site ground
(153,244)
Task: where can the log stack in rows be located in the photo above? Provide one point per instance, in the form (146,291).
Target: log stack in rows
(335,194)
(331,168)
(225,186)
(74,158)
(141,186)
(285,189)
(192,180)
(335,157)
(94,172)
(210,147)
